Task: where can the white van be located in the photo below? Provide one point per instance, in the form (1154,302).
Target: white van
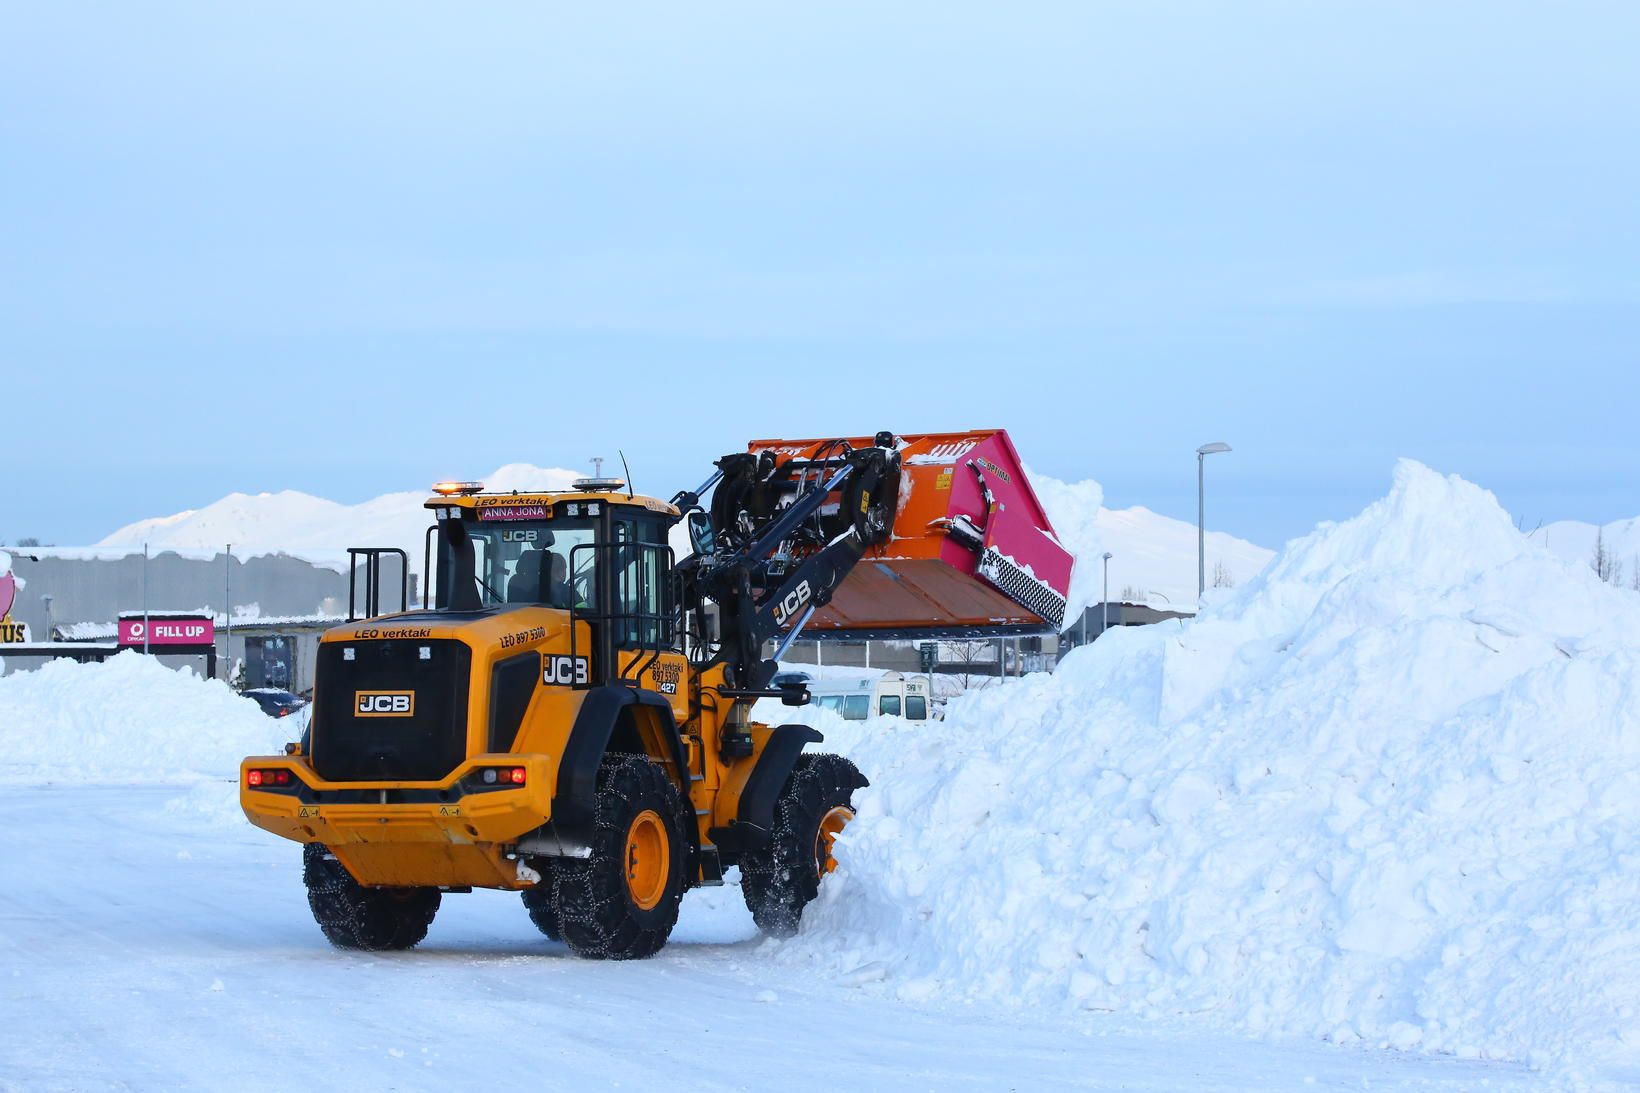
(889,695)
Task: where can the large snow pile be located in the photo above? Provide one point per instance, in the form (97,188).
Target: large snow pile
(129,719)
(1150,553)
(1388,791)
(291,522)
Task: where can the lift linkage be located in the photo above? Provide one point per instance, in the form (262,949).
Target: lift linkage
(783,536)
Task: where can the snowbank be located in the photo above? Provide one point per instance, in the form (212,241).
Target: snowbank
(1388,791)
(127,720)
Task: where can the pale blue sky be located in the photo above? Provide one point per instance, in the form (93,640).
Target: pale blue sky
(352,248)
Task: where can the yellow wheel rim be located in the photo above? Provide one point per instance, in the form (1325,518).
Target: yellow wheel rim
(647,859)
(831,825)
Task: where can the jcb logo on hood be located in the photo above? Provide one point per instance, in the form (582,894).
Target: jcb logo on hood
(564,671)
(384,703)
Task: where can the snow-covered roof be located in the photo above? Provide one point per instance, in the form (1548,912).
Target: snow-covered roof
(86,631)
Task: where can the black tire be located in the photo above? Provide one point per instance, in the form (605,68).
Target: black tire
(540,902)
(611,906)
(783,878)
(355,917)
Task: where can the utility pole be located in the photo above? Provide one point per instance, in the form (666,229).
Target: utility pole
(1105,625)
(1201,512)
(145,626)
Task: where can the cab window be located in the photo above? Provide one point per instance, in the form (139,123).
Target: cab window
(526,561)
(642,571)
(856,707)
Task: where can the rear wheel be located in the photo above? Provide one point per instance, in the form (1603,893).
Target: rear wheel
(622,902)
(814,807)
(541,905)
(355,917)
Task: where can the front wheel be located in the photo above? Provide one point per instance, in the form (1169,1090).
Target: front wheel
(352,916)
(814,806)
(622,902)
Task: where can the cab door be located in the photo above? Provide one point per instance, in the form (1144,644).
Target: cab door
(647,642)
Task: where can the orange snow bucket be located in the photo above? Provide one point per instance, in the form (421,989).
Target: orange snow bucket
(971,554)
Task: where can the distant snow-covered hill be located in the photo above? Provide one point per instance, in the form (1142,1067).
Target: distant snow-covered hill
(1151,554)
(1575,541)
(315,528)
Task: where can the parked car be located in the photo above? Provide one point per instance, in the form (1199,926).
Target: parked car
(274,702)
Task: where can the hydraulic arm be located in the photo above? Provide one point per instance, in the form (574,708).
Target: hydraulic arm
(779,539)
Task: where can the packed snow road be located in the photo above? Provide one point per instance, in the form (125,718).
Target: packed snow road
(150,941)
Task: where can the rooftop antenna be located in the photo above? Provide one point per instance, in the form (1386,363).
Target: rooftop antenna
(631,490)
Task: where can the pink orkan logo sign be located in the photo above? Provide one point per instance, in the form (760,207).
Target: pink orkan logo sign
(167,632)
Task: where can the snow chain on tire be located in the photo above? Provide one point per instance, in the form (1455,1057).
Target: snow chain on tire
(598,912)
(355,917)
(539,902)
(778,882)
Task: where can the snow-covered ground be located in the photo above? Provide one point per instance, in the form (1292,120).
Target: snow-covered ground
(1371,820)
(152,944)
(155,940)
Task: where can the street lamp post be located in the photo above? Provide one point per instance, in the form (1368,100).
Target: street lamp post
(1105,625)
(1201,511)
(227,613)
(46,599)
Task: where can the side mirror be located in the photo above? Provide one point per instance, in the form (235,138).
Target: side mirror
(794,694)
(701,536)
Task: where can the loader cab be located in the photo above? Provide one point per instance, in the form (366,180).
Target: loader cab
(600,555)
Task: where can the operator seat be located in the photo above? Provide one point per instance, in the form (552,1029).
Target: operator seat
(524,586)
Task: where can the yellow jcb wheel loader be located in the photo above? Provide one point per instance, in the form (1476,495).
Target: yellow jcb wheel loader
(569,716)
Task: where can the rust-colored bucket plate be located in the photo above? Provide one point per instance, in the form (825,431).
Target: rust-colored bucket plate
(972,553)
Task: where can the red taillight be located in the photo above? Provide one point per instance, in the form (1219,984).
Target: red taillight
(277,777)
(284,711)
(516,776)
